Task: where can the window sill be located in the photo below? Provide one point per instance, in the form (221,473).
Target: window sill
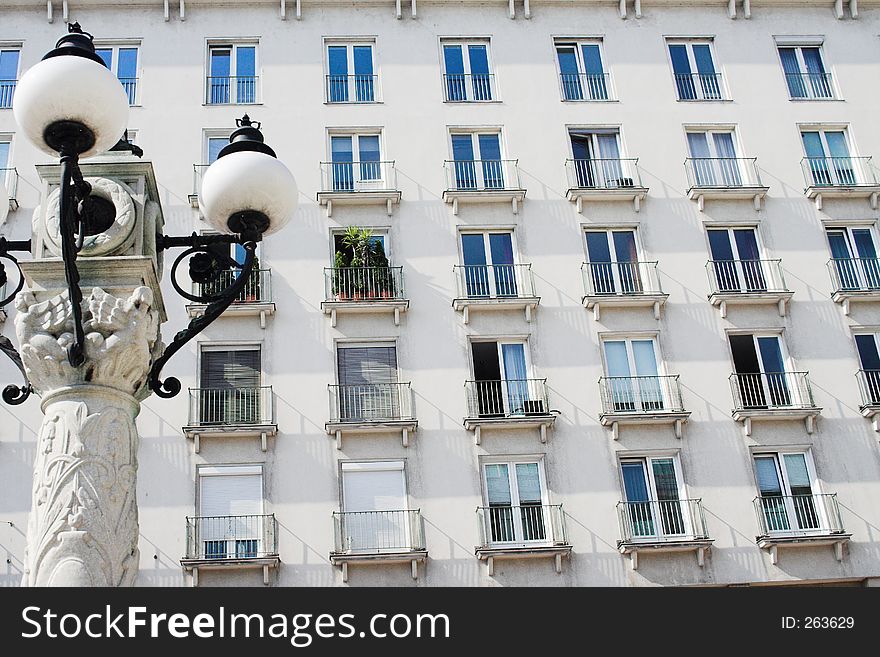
(347,103)
(704,100)
(819,100)
(231,104)
(472,102)
(589,100)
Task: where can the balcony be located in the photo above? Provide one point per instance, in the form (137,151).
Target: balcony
(357,88)
(724,178)
(773,396)
(371,408)
(662,526)
(747,283)
(494,287)
(379,537)
(198,172)
(131,89)
(469,88)
(231,542)
(231,412)
(364,290)
(635,400)
(483,181)
(854,280)
(508,404)
(585,86)
(810,86)
(622,285)
(9,177)
(699,86)
(840,177)
(232,90)
(254,299)
(359,184)
(787,521)
(7,92)
(604,180)
(522,532)
(869,387)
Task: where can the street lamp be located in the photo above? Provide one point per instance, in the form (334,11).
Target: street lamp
(93,360)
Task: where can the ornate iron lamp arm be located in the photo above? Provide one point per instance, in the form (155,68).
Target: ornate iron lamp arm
(13,394)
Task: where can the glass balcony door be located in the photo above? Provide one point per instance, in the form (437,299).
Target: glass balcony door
(760,364)
(123,62)
(375,502)
(786,487)
(869,359)
(614,262)
(597,163)
(365,373)
(805,72)
(736,258)
(855,258)
(653,498)
(230,506)
(361,174)
(581,71)
(350,73)
(230,386)
(633,375)
(516,497)
(467,72)
(829,157)
(489,269)
(694,70)
(232,74)
(501,373)
(714,159)
(477,161)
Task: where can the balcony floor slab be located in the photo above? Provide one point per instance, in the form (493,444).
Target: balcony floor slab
(615,420)
(754,193)
(387,197)
(749,415)
(542,421)
(412,557)
(633,548)
(405,427)
(580,194)
(335,307)
(772,543)
(595,302)
(466,305)
(722,300)
(198,431)
(490,553)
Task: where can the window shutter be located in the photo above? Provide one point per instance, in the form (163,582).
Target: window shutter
(239,368)
(231,495)
(374,490)
(367,365)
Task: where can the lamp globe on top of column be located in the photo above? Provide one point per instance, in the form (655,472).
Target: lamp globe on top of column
(71,103)
(247,189)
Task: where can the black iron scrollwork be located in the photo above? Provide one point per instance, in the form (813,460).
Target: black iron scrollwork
(13,394)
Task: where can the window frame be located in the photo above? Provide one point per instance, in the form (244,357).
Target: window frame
(114,45)
(464,42)
(16,46)
(236,345)
(511,461)
(374,465)
(798,44)
(232,44)
(689,42)
(349,42)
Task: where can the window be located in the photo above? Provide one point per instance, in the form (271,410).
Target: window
(613,259)
(351,74)
(378,238)
(736,260)
(5,147)
(869,360)
(596,156)
(214,143)
(356,162)
(805,72)
(488,262)
(764,380)
(828,157)
(375,509)
(232,74)
(634,381)
(477,160)
(7,176)
(854,257)
(502,383)
(581,72)
(714,158)
(694,69)
(654,497)
(229,380)
(788,488)
(516,497)
(368,388)
(123,61)
(467,75)
(231,512)
(9,58)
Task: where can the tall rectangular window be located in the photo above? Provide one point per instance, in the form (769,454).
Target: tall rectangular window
(232,74)
(805,73)
(693,65)
(467,71)
(788,492)
(829,157)
(582,73)
(714,159)
(477,160)
(633,375)
(9,61)
(367,379)
(356,162)
(351,72)
(613,259)
(516,496)
(123,61)
(229,385)
(654,497)
(503,385)
(489,264)
(764,376)
(596,157)
(736,260)
(231,524)
(854,257)
(375,514)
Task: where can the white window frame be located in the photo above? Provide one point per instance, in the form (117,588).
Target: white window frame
(645,460)
(689,42)
(499,342)
(594,131)
(360,343)
(205,471)
(232,45)
(798,44)
(212,345)
(349,43)
(378,231)
(608,230)
(734,247)
(17,46)
(627,338)
(7,138)
(464,42)
(778,453)
(577,42)
(212,133)
(356,133)
(511,462)
(114,45)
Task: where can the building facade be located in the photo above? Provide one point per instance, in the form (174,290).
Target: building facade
(578,293)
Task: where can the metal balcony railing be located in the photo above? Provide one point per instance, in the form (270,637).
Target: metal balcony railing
(522,525)
(745,276)
(798,515)
(236,90)
(838,171)
(7,91)
(621,278)
(494,281)
(130,85)
(257,289)
(585,86)
(809,85)
(661,521)
(370,176)
(641,394)
(468,88)
(363,284)
(232,406)
(481,175)
(9,177)
(603,173)
(869,386)
(771,391)
(352,88)
(508,398)
(699,86)
(728,172)
(371,402)
(231,537)
(854,274)
(377,532)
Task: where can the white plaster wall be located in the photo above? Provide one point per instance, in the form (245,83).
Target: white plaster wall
(442,461)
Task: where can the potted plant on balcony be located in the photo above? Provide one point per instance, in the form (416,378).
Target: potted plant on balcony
(383,278)
(338,282)
(361,244)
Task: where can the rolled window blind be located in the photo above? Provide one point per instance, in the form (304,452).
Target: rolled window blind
(367,365)
(238,368)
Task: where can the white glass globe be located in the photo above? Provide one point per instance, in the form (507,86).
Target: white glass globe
(71,88)
(248,181)
(4,200)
